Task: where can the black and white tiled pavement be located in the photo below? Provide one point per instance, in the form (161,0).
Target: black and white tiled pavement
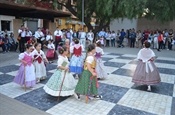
(120,95)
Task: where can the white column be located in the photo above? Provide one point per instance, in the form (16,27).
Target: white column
(0,25)
(25,24)
(40,22)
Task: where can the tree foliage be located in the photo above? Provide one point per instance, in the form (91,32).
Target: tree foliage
(162,10)
(107,10)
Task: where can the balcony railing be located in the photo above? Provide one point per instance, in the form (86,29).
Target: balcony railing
(47,4)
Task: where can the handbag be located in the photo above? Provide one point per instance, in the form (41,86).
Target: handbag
(50,53)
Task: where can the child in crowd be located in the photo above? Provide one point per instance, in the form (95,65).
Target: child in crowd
(51,51)
(61,83)
(26,74)
(88,84)
(101,74)
(39,59)
(31,41)
(67,44)
(102,41)
(146,72)
(76,63)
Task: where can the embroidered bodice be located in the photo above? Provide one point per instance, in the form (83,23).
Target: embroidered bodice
(91,60)
(77,51)
(98,55)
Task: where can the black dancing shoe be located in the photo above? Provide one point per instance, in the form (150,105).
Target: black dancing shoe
(77,96)
(98,96)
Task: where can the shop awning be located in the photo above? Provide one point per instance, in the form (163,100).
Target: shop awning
(19,10)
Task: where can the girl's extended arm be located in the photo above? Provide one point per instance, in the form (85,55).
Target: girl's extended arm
(24,62)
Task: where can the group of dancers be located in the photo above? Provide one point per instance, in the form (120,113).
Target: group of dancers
(88,69)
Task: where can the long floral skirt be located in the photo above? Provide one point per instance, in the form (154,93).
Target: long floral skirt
(87,86)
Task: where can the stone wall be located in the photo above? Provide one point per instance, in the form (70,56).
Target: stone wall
(16,25)
(140,24)
(143,24)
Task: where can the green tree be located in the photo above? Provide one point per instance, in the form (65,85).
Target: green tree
(107,10)
(161,10)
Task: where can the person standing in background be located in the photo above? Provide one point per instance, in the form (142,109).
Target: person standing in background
(160,41)
(122,36)
(58,36)
(13,43)
(28,34)
(39,36)
(22,40)
(90,36)
(82,36)
(133,38)
(138,38)
(113,38)
(74,35)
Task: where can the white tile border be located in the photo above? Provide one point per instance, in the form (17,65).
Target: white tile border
(14,90)
(147,101)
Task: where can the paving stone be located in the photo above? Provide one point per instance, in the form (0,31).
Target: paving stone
(120,95)
(4,78)
(160,88)
(106,59)
(167,71)
(165,61)
(114,64)
(124,57)
(41,101)
(124,72)
(123,110)
(114,94)
(115,54)
(173,106)
(9,68)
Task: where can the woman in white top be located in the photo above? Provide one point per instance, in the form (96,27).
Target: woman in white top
(108,39)
(138,39)
(155,40)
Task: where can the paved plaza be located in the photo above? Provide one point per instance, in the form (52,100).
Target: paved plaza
(120,95)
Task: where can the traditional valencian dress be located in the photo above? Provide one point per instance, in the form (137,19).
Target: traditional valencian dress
(26,74)
(40,68)
(51,52)
(146,72)
(52,87)
(87,85)
(101,74)
(77,60)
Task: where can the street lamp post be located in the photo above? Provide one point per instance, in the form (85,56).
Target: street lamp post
(82,14)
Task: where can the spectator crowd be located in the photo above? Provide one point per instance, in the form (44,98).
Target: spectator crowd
(159,39)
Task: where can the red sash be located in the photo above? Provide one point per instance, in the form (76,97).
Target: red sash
(58,38)
(39,59)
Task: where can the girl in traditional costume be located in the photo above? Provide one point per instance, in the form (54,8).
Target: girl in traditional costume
(39,59)
(101,74)
(88,84)
(67,44)
(51,54)
(61,83)
(26,74)
(146,72)
(76,63)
